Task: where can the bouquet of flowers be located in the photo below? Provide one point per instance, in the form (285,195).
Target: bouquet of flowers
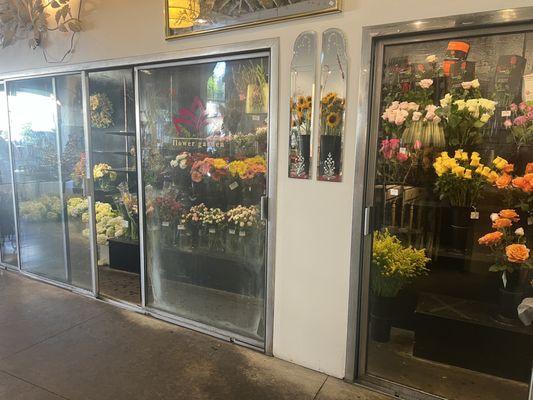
(195,214)
(101,111)
(46,208)
(518,189)
(393,265)
(213,218)
(465,113)
(168,208)
(461,178)
(332,114)
(301,114)
(104,175)
(508,245)
(520,124)
(213,168)
(128,204)
(396,116)
(396,161)
(181,160)
(248,168)
(77,206)
(109,224)
(243,217)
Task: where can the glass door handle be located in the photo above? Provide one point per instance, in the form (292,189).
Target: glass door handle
(264,208)
(368,221)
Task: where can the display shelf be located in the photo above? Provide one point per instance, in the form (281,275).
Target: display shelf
(120,133)
(118,153)
(124,170)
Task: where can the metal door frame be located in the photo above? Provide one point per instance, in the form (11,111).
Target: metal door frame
(374,40)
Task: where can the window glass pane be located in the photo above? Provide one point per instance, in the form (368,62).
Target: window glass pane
(453,183)
(112,117)
(34,135)
(204,157)
(8,241)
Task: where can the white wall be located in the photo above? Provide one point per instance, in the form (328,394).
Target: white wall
(313,241)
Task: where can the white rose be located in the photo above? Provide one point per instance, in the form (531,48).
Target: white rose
(494,217)
(425,83)
(485,118)
(475,83)
(446,100)
(416,116)
(519,232)
(432,59)
(466,85)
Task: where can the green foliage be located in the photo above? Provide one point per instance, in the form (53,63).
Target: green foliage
(393,265)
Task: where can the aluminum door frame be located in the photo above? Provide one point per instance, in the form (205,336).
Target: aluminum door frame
(374,40)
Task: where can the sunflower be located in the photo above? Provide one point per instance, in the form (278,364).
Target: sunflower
(333,120)
(301,100)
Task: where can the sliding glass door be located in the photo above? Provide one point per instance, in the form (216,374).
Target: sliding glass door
(8,232)
(47,138)
(203,129)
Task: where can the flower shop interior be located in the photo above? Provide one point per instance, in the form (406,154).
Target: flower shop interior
(343,197)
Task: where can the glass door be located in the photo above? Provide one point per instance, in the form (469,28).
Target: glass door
(451,182)
(8,231)
(204,133)
(114,172)
(47,139)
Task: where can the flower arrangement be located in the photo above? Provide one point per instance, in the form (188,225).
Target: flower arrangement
(520,124)
(101,111)
(461,178)
(213,168)
(195,214)
(248,168)
(77,206)
(393,265)
(109,224)
(243,217)
(332,114)
(396,161)
(46,208)
(181,160)
(518,189)
(127,203)
(507,243)
(104,175)
(213,218)
(302,114)
(396,115)
(465,113)
(168,208)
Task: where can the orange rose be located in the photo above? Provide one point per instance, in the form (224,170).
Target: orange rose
(491,238)
(522,183)
(503,181)
(529,168)
(509,214)
(517,253)
(508,168)
(501,223)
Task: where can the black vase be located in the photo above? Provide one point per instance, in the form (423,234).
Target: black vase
(509,301)
(460,229)
(304,150)
(382,311)
(330,157)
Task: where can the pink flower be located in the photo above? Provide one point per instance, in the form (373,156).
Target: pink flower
(425,83)
(521,120)
(394,143)
(196,176)
(386,149)
(508,123)
(522,106)
(513,107)
(530,115)
(417,145)
(416,116)
(402,157)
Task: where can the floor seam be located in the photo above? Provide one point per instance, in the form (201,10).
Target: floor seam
(33,384)
(320,388)
(52,336)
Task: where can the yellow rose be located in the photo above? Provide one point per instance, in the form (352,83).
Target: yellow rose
(468,174)
(474,162)
(458,154)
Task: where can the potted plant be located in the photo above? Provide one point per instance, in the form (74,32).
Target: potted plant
(460,181)
(511,258)
(332,110)
(394,266)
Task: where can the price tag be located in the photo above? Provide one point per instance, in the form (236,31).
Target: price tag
(233,185)
(181,227)
(212,230)
(530,220)
(232,231)
(403,150)
(504,279)
(256,118)
(394,192)
(506,113)
(125,224)
(242,233)
(474,215)
(165,223)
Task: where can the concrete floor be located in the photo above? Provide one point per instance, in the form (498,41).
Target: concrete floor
(58,345)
